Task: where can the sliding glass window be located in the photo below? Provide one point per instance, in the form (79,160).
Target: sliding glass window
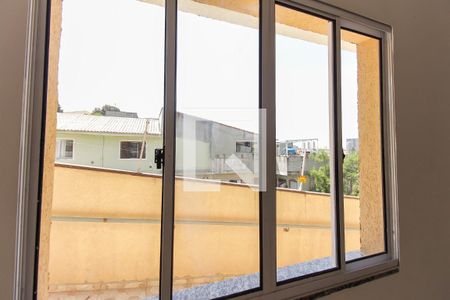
(362,144)
(101,213)
(202,149)
(216,230)
(305,210)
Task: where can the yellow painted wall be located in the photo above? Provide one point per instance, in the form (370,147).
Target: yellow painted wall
(369,122)
(216,232)
(49,149)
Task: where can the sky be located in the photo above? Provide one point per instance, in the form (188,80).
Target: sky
(113,53)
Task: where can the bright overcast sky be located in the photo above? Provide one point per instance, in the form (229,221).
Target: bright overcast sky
(112,52)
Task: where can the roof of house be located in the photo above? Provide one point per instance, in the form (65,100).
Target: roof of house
(79,122)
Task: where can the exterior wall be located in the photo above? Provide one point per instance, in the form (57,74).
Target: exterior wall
(215,142)
(87,149)
(104,151)
(186,146)
(369,122)
(109,252)
(49,149)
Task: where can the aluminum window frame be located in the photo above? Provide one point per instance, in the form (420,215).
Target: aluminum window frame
(33,142)
(355,29)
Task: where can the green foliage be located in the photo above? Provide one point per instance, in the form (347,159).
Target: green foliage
(320,173)
(351,174)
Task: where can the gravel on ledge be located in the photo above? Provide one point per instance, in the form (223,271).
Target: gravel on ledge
(251,281)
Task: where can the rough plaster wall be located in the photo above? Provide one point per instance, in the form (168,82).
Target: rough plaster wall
(49,151)
(372,236)
(422,72)
(106,246)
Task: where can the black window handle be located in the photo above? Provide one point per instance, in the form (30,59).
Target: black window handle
(159,158)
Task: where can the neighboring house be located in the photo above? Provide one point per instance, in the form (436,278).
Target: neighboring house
(222,152)
(108,142)
(117,143)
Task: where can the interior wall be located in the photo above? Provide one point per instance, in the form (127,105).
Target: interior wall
(13,15)
(422,73)
(422,95)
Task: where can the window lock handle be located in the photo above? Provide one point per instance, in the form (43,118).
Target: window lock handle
(159,158)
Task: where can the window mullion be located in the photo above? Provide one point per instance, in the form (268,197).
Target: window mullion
(167,217)
(390,148)
(268,142)
(337,155)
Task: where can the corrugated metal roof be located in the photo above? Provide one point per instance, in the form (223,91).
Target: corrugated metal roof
(118,125)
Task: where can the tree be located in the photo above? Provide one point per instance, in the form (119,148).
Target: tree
(351,174)
(59,109)
(102,111)
(320,173)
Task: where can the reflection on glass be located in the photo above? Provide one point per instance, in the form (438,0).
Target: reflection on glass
(106,200)
(216,237)
(305,229)
(361,134)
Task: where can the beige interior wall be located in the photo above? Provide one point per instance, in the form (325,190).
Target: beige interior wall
(422,69)
(13,20)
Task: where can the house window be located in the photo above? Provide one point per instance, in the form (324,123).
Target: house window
(132,150)
(245,147)
(64,149)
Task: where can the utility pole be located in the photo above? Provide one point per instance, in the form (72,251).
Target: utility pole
(303,168)
(143,147)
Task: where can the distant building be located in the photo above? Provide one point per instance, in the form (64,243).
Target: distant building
(122,114)
(220,151)
(290,161)
(297,146)
(352,145)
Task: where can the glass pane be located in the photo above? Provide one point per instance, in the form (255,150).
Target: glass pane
(361,133)
(132,150)
(305,223)
(103,202)
(216,242)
